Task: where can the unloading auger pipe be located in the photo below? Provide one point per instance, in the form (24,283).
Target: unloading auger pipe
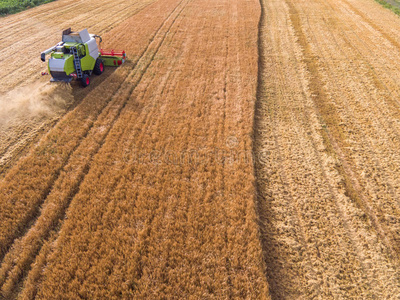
(43,54)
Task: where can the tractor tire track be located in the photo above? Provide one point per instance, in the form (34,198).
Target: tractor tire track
(388,37)
(374,150)
(369,207)
(391,109)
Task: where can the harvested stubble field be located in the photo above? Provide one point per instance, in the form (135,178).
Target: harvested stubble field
(248,149)
(328,118)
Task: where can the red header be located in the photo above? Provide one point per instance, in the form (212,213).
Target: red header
(113,52)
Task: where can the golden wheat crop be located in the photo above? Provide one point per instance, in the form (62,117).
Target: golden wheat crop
(146,187)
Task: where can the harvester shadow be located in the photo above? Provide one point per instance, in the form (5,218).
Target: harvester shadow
(79,93)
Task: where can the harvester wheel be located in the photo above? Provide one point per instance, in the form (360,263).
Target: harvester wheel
(85,80)
(98,67)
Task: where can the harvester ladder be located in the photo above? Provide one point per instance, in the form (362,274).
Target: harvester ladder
(77,62)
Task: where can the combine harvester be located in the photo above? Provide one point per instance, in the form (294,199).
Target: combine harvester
(78,55)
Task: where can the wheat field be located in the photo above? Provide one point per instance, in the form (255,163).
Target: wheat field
(248,149)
